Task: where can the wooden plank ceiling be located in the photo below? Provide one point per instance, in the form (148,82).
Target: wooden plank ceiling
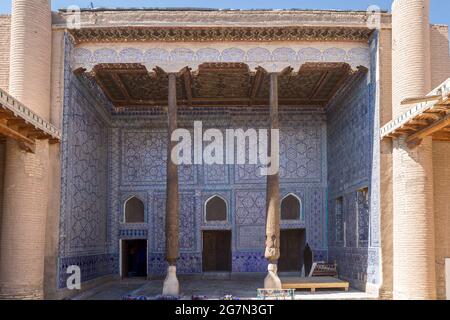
(220,84)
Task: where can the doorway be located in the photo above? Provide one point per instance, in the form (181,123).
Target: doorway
(134,258)
(292,245)
(216,251)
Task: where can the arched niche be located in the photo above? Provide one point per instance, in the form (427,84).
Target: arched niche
(216,209)
(291,208)
(134,211)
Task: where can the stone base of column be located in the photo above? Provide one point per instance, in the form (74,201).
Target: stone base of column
(171,285)
(272,281)
(386,295)
(20,293)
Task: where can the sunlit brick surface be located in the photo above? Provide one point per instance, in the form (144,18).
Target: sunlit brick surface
(414,270)
(26,177)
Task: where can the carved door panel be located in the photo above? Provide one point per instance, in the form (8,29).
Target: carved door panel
(217,251)
(292,245)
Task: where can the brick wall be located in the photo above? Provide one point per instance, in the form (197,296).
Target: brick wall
(52,227)
(386,206)
(5,30)
(2,176)
(441,154)
(413,243)
(440,59)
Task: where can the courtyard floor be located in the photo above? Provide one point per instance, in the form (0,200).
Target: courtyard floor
(241,287)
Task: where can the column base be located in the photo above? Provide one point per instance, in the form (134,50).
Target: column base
(20,293)
(171,285)
(272,281)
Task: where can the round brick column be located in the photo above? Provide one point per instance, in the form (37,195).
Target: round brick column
(413,243)
(26,176)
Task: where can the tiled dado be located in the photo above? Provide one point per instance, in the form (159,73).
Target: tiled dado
(92,267)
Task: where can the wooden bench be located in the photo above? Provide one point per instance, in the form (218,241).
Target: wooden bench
(313,283)
(321,269)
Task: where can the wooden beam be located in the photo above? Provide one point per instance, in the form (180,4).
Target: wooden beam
(432,116)
(187,77)
(418,122)
(319,85)
(27,143)
(421,99)
(106,91)
(438,125)
(15,122)
(254,90)
(212,101)
(441,136)
(121,86)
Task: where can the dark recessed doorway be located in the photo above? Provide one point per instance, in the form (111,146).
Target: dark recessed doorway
(134,258)
(216,251)
(292,245)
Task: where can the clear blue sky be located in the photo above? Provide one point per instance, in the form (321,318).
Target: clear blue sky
(439,8)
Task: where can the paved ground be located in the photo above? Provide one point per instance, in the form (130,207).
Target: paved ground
(244,288)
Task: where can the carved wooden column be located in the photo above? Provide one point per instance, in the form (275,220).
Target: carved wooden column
(272,253)
(171,285)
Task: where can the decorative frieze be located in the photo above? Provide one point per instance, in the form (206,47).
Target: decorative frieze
(174,58)
(204,34)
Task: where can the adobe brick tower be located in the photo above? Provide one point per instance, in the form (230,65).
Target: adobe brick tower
(413,244)
(26,177)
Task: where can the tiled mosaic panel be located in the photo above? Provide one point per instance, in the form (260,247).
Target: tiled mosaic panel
(87,180)
(144,158)
(83,221)
(363,216)
(353,164)
(187,221)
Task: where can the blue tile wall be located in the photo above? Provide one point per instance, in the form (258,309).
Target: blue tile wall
(353,164)
(108,157)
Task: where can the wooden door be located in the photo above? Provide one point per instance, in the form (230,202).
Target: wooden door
(217,251)
(134,258)
(292,245)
